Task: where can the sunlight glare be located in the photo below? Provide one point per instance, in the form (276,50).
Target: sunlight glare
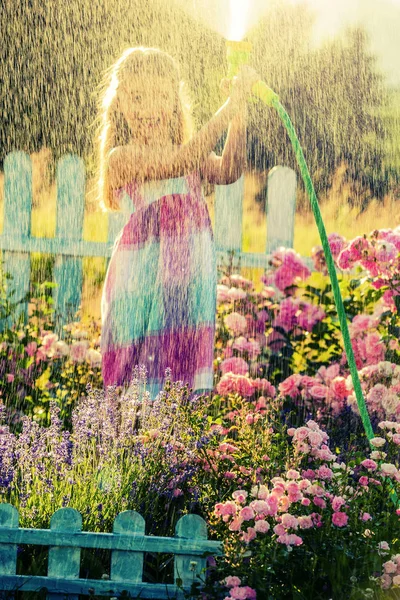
(239,16)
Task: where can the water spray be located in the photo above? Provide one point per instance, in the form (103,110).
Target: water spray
(238,54)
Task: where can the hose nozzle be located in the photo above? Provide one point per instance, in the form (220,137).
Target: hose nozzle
(237,54)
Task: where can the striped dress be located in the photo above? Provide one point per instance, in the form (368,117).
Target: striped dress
(159,297)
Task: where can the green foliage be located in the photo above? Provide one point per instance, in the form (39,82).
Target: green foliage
(333,94)
(35,365)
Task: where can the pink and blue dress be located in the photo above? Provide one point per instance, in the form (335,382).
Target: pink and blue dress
(159,297)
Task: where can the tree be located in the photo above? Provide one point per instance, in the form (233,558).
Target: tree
(333,95)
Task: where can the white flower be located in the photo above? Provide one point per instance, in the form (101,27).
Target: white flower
(376,455)
(61,348)
(377,442)
(79,334)
(94,357)
(388,469)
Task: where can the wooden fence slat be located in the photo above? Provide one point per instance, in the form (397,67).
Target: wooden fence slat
(281,208)
(89,587)
(64,562)
(8,552)
(68,270)
(107,541)
(127,542)
(17,222)
(187,566)
(229,215)
(125,565)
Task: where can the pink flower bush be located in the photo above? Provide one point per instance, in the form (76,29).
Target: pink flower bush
(321,392)
(336,244)
(381,385)
(310,492)
(378,255)
(391,573)
(289,269)
(236,323)
(230,383)
(235,365)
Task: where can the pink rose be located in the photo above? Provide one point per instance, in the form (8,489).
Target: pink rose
(31,348)
(247,513)
(240,344)
(345,260)
(290,386)
(336,243)
(249,535)
(319,392)
(339,388)
(243,593)
(366,517)
(240,496)
(235,294)
(262,526)
(78,351)
(234,365)
(236,524)
(337,503)
(289,521)
(236,323)
(290,539)
(232,581)
(369,464)
(222,294)
(340,519)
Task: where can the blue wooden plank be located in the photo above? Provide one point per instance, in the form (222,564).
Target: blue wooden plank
(17,221)
(281,208)
(187,567)
(108,541)
(68,272)
(90,587)
(64,562)
(228,215)
(52,246)
(8,552)
(125,565)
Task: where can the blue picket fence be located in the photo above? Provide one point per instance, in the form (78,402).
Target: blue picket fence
(69,247)
(127,544)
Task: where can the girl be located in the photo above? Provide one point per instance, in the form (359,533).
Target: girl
(159,297)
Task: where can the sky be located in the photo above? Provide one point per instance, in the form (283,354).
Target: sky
(381,18)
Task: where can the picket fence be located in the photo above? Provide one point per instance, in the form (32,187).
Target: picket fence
(69,247)
(127,543)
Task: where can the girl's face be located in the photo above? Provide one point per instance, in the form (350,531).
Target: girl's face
(148,104)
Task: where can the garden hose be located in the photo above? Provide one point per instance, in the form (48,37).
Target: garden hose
(266,95)
(238,55)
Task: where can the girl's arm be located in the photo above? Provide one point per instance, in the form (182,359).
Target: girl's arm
(132,162)
(127,163)
(226,169)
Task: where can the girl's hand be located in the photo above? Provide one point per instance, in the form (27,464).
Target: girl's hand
(242,85)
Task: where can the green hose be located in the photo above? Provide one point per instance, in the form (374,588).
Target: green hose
(262,91)
(270,98)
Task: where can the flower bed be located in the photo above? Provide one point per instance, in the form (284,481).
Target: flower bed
(276,459)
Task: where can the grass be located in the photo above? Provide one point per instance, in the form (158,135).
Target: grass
(338,217)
